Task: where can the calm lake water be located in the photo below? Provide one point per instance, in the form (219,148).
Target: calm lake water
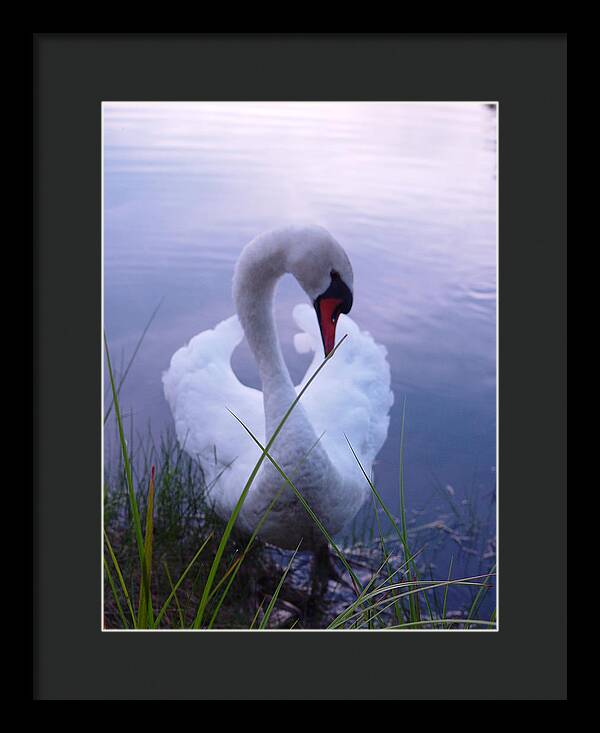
(409,190)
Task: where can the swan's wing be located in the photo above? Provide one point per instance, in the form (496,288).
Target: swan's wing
(200,386)
(351,395)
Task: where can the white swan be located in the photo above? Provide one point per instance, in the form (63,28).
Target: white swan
(350,397)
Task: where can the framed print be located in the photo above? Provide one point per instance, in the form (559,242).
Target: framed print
(293,375)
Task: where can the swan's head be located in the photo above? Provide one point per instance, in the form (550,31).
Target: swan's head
(324,271)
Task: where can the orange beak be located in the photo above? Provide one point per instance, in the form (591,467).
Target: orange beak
(328,310)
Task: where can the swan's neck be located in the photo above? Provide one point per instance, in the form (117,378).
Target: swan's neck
(260,266)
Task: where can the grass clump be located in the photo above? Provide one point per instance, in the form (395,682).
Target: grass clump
(171,563)
(180,547)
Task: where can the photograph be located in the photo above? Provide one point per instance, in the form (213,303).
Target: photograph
(300,366)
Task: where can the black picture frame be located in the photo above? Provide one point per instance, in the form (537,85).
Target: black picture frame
(72,657)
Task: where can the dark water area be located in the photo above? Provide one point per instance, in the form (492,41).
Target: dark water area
(409,190)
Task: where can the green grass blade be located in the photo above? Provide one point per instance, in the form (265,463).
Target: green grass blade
(410,588)
(115,594)
(135,351)
(376,494)
(241,559)
(273,601)
(402,532)
(233,568)
(341,617)
(128,477)
(479,597)
(414,602)
(240,502)
(174,591)
(260,605)
(148,542)
(378,607)
(447,621)
(120,577)
(310,512)
(167,603)
(252,538)
(446,588)
(397,609)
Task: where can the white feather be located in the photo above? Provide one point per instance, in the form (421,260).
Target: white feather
(351,398)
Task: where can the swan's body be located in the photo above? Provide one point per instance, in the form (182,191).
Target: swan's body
(350,397)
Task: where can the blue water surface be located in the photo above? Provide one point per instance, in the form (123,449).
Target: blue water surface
(408,189)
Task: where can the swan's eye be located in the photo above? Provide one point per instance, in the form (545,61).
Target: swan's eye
(334,275)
